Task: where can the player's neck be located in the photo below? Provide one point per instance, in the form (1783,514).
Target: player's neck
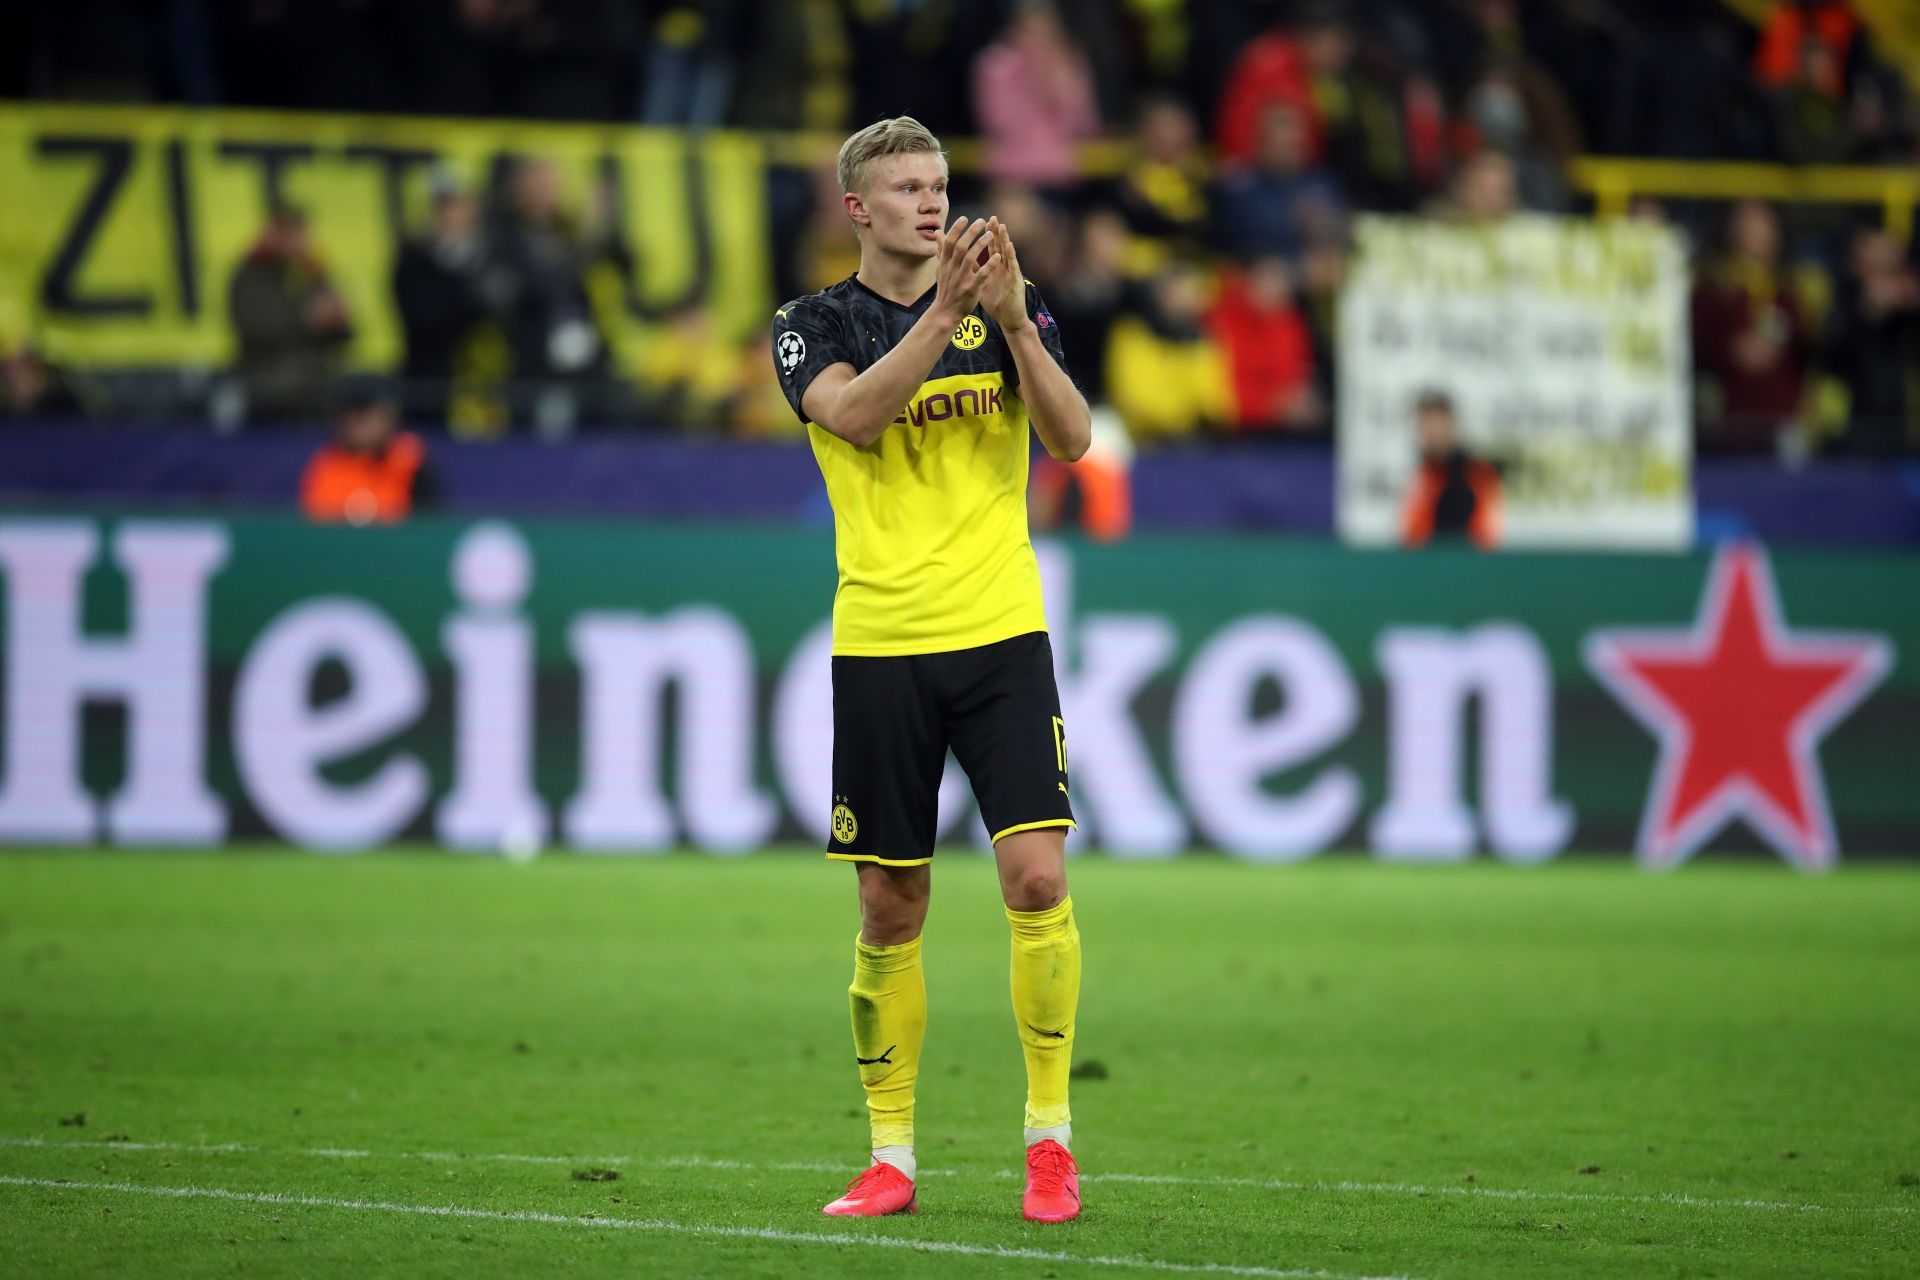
(896,278)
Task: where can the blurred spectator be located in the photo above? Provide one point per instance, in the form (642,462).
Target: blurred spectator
(1268,350)
(1453,494)
(1388,145)
(1091,296)
(1831,25)
(371,472)
(1484,190)
(1749,341)
(1033,100)
(1163,193)
(1812,123)
(1301,68)
(1874,348)
(1166,375)
(290,321)
(1377,129)
(30,387)
(1832,100)
(1282,201)
(1516,110)
(438,289)
(1649,210)
(540,256)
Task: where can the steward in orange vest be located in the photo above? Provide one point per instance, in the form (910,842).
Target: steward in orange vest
(1453,493)
(1095,493)
(371,472)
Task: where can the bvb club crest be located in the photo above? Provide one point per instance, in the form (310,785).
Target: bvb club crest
(845,828)
(969,333)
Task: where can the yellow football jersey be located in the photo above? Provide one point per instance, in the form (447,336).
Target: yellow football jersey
(930,521)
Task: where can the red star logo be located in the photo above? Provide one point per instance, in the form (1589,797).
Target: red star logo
(1739,704)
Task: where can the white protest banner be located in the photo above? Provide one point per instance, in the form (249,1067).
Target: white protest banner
(1563,345)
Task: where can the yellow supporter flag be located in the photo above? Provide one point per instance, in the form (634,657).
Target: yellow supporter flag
(121,225)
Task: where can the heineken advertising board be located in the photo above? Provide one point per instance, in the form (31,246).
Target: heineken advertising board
(623,689)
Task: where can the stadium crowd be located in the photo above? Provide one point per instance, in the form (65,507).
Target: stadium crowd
(1195,280)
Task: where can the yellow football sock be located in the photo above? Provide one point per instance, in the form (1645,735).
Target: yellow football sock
(1046,992)
(889,1002)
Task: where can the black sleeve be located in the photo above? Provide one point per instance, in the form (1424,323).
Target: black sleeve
(807,338)
(1049,333)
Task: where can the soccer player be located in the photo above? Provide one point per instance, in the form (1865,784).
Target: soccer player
(918,377)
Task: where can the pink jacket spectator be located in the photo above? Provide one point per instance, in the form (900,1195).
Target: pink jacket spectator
(1033,98)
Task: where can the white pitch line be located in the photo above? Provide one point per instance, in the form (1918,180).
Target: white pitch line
(324,1153)
(668,1226)
(1674,1198)
(1499,1193)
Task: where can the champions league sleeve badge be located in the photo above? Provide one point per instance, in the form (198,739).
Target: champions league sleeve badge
(791,348)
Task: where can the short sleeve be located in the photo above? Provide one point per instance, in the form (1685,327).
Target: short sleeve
(807,338)
(1049,329)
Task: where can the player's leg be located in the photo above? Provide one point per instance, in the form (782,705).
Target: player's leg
(1046,998)
(888,1001)
(1045,972)
(887,758)
(1003,720)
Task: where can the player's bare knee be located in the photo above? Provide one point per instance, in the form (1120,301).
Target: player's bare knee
(889,926)
(893,904)
(1034,886)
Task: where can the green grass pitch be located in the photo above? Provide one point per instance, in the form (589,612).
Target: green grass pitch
(407,1065)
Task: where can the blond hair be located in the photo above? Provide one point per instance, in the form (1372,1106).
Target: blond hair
(902,135)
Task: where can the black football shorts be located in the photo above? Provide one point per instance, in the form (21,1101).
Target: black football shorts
(894,719)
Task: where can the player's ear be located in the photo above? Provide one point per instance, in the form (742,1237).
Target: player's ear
(856,209)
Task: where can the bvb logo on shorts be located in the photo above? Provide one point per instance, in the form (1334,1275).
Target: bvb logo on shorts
(969,333)
(844,826)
